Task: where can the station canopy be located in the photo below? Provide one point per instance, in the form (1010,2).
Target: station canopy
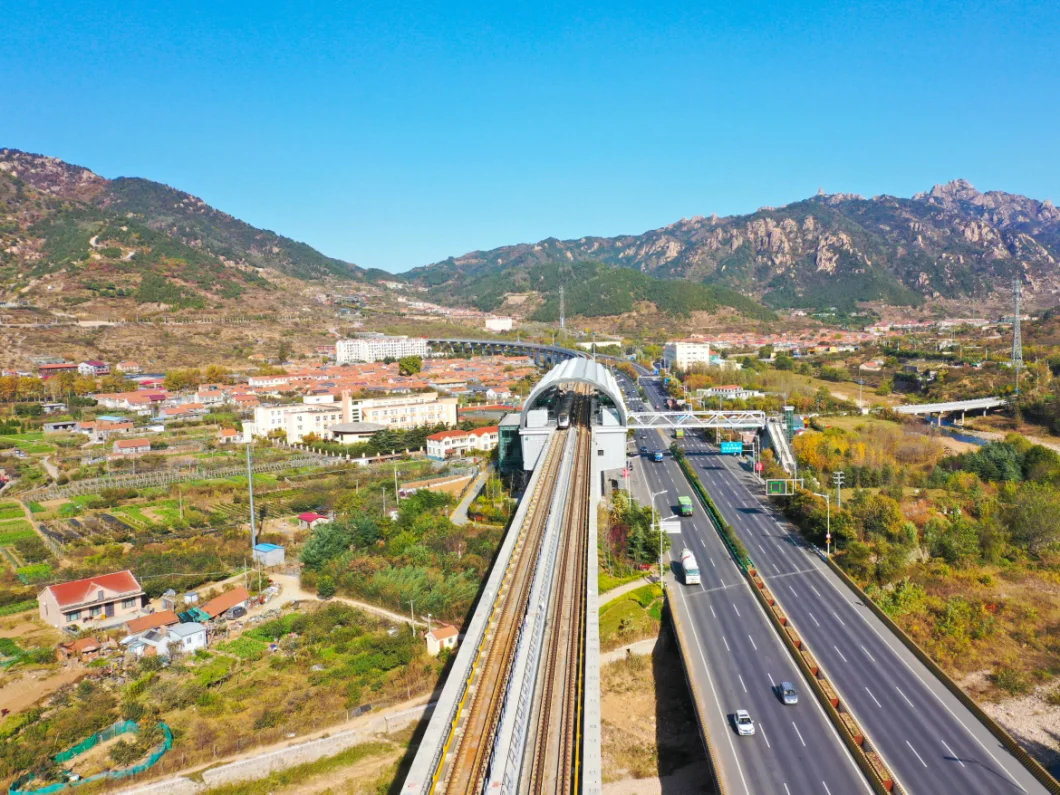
(580,371)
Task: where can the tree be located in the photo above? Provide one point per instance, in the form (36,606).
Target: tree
(410,365)
(326,587)
(327,541)
(283,351)
(1033,517)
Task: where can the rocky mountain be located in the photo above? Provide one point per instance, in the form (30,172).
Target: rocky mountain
(135,238)
(829,250)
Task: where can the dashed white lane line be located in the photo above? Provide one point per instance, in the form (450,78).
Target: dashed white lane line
(762,729)
(827,791)
(817,592)
(811,615)
(796,728)
(752,642)
(911,748)
(774,684)
(788,791)
(839,652)
(793,592)
(837,618)
(712,563)
(903,695)
(867,654)
(959,761)
(734,607)
(878,704)
(726,643)
(775,568)
(716,615)
(741,683)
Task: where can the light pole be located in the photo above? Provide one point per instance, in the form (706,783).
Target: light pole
(838,478)
(828,522)
(658,524)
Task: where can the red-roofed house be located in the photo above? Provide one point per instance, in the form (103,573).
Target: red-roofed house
(116,596)
(237,597)
(229,436)
(93,367)
(132,446)
(441,637)
(446,444)
(151,621)
(310,519)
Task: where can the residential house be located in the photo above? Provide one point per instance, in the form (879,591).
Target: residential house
(441,637)
(354,432)
(108,598)
(227,602)
(187,638)
(310,519)
(130,447)
(62,426)
(447,444)
(93,368)
(46,371)
(135,626)
(83,649)
(229,436)
(166,641)
(129,368)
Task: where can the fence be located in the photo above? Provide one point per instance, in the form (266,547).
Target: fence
(112,731)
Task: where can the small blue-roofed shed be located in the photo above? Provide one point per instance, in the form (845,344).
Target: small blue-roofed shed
(269,554)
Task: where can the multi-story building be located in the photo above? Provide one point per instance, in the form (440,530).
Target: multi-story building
(682,354)
(403,411)
(374,349)
(93,367)
(297,421)
(446,444)
(107,598)
(499,324)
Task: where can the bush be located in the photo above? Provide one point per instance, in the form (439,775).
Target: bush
(1010,680)
(326,587)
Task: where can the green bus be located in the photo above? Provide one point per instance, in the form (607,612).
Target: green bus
(684,506)
(679,433)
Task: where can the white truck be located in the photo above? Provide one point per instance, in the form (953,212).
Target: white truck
(689,567)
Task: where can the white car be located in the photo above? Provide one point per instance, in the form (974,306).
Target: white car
(744,725)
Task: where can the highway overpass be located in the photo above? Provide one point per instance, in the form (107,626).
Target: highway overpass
(975,404)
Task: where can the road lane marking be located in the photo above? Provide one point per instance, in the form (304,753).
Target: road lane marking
(793,592)
(911,748)
(712,563)
(786,789)
(752,642)
(712,611)
(741,683)
(762,729)
(878,704)
(775,568)
(828,791)
(839,652)
(726,643)
(903,695)
(811,615)
(953,754)
(734,607)
(796,728)
(817,592)
(867,654)
(837,618)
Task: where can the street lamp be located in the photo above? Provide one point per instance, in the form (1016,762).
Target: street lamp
(828,522)
(659,526)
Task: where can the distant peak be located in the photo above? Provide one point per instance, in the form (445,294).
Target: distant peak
(954,189)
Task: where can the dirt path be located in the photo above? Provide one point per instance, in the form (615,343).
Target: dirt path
(354,779)
(686,781)
(292,591)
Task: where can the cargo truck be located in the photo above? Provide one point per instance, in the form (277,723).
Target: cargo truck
(689,567)
(657,456)
(684,506)
(679,433)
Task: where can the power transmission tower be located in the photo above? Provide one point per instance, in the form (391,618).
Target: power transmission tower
(562,309)
(1017,340)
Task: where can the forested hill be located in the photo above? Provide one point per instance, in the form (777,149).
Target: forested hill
(829,250)
(120,235)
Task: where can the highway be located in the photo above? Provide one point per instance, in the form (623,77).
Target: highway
(740,660)
(931,741)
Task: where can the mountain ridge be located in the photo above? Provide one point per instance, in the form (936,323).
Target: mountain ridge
(830,249)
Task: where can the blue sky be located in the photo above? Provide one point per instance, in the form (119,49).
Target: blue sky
(394,135)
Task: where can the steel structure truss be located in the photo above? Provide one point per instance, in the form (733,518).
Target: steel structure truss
(732,420)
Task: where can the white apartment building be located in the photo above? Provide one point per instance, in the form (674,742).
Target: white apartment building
(682,354)
(446,444)
(375,349)
(400,412)
(404,411)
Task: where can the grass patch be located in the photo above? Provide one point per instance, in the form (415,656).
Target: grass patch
(244,648)
(18,607)
(608,582)
(299,773)
(633,616)
(10,532)
(34,573)
(36,507)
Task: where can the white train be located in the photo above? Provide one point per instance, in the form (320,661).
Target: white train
(563,409)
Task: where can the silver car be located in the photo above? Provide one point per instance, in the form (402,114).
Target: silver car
(744,725)
(788,693)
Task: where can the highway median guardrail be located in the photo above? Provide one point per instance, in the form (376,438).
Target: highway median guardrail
(697,702)
(1030,763)
(728,535)
(871,764)
(868,760)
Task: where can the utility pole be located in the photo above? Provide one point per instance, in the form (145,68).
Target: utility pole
(250,487)
(1017,340)
(838,478)
(562,309)
(396,497)
(828,522)
(412,608)
(658,524)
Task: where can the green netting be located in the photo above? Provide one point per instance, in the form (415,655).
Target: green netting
(112,731)
(193,614)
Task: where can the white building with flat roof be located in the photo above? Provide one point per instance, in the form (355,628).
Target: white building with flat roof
(375,349)
(682,354)
(499,324)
